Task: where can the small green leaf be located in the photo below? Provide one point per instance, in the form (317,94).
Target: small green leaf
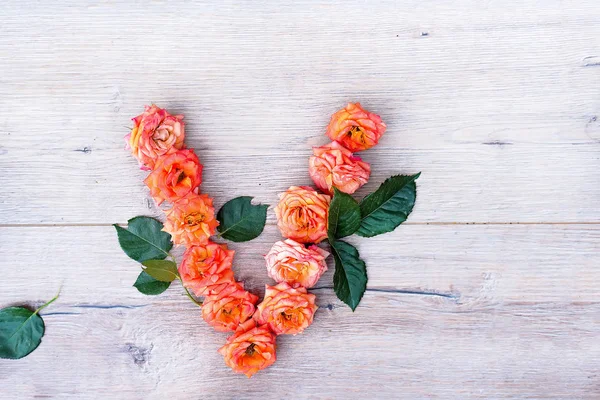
(143,239)
(240,221)
(389,206)
(344,215)
(21,330)
(350,277)
(162,270)
(150,286)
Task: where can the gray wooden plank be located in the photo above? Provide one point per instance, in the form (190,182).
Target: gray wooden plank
(497,104)
(465,311)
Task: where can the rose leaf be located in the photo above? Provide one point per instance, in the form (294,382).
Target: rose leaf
(350,277)
(389,206)
(144,240)
(162,270)
(344,215)
(147,285)
(21,330)
(240,221)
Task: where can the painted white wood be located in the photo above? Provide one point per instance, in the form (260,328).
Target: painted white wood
(496,102)
(497,311)
(497,105)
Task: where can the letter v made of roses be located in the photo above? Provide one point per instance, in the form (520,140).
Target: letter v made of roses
(305,218)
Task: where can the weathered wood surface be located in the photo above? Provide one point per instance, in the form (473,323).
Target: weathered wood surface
(497,103)
(498,310)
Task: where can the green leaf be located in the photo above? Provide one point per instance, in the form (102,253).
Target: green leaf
(143,239)
(150,286)
(350,277)
(240,221)
(21,330)
(389,206)
(162,270)
(344,215)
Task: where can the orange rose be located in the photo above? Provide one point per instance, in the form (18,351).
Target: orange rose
(250,349)
(302,214)
(291,262)
(226,310)
(335,166)
(206,269)
(355,128)
(155,133)
(191,220)
(286,310)
(174,176)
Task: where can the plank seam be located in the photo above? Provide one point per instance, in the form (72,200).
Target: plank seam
(442,223)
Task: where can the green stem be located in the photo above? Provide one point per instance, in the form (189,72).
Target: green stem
(188,294)
(49,302)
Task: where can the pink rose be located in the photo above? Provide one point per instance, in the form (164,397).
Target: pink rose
(292,262)
(333,165)
(302,214)
(206,269)
(191,221)
(286,310)
(226,310)
(250,349)
(355,128)
(155,133)
(174,176)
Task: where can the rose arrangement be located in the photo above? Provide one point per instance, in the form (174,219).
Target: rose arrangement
(305,218)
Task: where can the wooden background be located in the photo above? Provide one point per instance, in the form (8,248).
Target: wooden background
(491,289)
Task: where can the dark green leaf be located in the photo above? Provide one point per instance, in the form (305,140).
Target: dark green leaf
(143,239)
(21,332)
(150,286)
(344,215)
(162,270)
(386,208)
(350,277)
(240,221)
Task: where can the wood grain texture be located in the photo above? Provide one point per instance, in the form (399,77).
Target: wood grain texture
(497,105)
(496,102)
(464,311)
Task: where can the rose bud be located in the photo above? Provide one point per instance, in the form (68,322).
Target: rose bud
(355,128)
(206,269)
(226,310)
(302,214)
(250,349)
(292,262)
(286,310)
(335,166)
(155,133)
(191,220)
(174,176)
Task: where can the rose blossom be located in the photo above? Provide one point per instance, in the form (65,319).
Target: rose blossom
(191,220)
(206,269)
(250,349)
(174,176)
(333,165)
(302,214)
(226,310)
(286,310)
(355,128)
(291,262)
(155,133)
